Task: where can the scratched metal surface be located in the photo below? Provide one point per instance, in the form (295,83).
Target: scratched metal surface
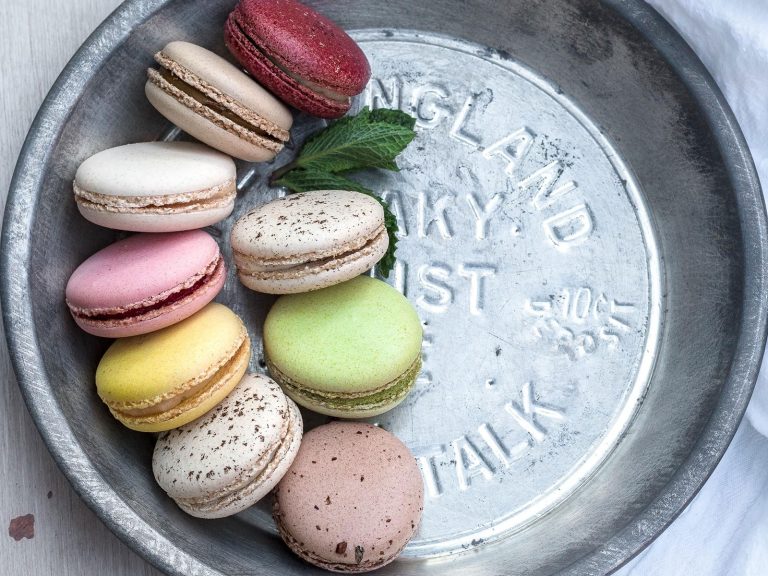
(584,239)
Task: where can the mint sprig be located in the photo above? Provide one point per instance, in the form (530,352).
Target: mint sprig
(371,139)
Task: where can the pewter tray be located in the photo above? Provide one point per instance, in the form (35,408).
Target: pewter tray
(582,233)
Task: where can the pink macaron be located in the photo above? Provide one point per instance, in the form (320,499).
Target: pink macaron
(145,282)
(302,57)
(351,500)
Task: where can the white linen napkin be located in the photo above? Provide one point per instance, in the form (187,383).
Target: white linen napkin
(724,531)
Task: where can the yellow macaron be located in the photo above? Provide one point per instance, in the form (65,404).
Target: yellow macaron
(165,379)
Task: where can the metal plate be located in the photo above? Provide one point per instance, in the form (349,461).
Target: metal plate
(582,234)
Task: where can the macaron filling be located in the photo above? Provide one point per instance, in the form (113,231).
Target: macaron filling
(288,267)
(155,306)
(391,392)
(209,102)
(252,478)
(182,399)
(215,197)
(313,86)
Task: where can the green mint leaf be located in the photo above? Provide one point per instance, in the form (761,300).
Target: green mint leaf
(301,180)
(368,140)
(388,116)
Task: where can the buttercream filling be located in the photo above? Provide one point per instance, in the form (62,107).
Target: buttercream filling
(327,92)
(251,478)
(215,197)
(280,268)
(197,387)
(155,304)
(367,399)
(204,99)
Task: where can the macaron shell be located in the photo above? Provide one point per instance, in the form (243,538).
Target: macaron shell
(352,337)
(218,72)
(309,278)
(155,169)
(204,129)
(288,89)
(170,221)
(360,407)
(193,408)
(234,455)
(142,367)
(107,279)
(305,42)
(261,486)
(352,499)
(171,314)
(319,223)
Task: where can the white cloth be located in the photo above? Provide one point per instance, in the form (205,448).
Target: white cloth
(724,531)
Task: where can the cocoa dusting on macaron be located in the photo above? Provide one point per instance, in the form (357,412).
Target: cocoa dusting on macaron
(352,498)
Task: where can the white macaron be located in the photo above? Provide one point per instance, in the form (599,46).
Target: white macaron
(234,455)
(156,187)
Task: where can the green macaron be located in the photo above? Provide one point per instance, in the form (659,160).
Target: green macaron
(352,350)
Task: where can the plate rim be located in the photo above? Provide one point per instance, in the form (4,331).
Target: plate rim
(161,552)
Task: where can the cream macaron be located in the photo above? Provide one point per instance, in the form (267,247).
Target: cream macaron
(309,241)
(233,456)
(215,102)
(156,187)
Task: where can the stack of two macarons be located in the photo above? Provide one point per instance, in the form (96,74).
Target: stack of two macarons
(338,343)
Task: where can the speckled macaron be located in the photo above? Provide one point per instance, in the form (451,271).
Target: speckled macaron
(351,500)
(352,350)
(309,241)
(233,456)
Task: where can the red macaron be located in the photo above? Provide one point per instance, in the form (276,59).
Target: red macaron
(299,55)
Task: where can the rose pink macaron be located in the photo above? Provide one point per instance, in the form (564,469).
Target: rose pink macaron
(145,282)
(351,500)
(302,57)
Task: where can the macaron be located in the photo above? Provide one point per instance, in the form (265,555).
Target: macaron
(351,500)
(299,55)
(308,241)
(351,351)
(229,459)
(165,379)
(212,100)
(178,273)
(156,187)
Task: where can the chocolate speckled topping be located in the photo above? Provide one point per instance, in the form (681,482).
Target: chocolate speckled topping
(309,241)
(251,437)
(316,224)
(352,498)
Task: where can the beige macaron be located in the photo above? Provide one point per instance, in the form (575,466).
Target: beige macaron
(212,100)
(230,458)
(309,241)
